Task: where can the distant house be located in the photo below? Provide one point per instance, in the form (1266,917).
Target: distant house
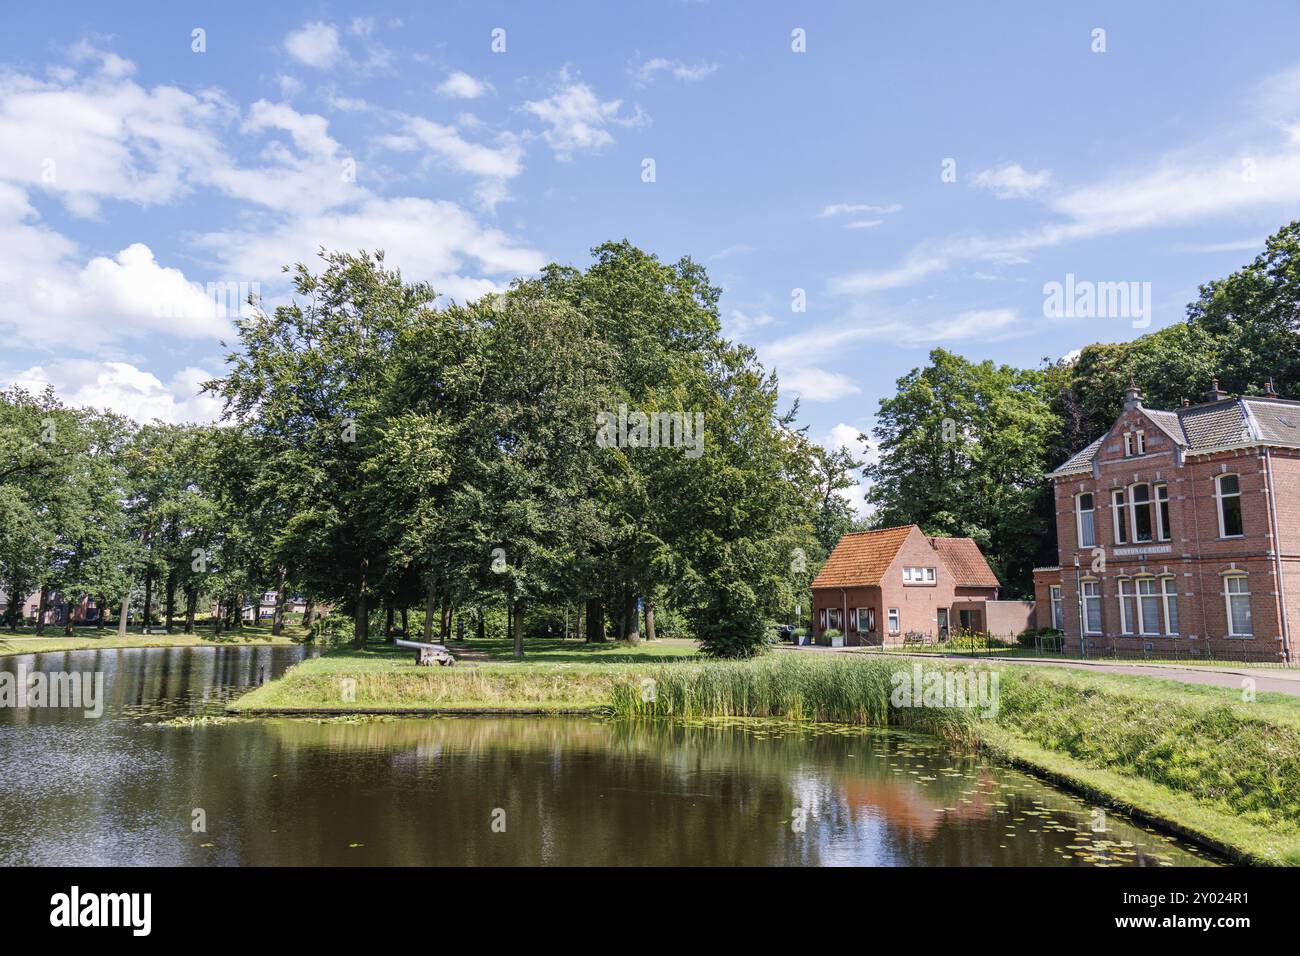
(878,586)
(264,610)
(85,611)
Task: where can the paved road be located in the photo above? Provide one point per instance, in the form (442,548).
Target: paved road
(1273,680)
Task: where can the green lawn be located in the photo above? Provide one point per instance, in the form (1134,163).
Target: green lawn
(88,638)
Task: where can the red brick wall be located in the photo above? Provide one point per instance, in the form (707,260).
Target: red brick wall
(1195,556)
(917,604)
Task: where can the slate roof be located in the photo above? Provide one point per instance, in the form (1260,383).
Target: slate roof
(1225,424)
(861,558)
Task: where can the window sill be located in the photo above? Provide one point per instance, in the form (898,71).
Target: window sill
(1239,637)
(1231,537)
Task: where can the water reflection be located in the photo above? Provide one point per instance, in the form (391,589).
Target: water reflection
(426,791)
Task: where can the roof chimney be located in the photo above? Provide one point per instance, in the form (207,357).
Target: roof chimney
(1269,390)
(1215,394)
(1132,395)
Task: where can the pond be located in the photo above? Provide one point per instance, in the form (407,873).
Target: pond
(127,788)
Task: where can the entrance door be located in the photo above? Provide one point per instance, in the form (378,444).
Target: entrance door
(943,624)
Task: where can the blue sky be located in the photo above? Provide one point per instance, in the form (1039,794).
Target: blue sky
(135,171)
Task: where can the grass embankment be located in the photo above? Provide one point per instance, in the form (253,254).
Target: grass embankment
(556,677)
(1197,759)
(25,642)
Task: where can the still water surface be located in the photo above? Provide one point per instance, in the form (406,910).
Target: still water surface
(123,789)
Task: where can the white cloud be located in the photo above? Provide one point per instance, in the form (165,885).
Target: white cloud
(858,209)
(686,72)
(1229,173)
(863,224)
(815,384)
(123,388)
(494,165)
(830,340)
(577,120)
(432,240)
(1011,181)
(315,44)
(462,86)
(112,140)
(738,323)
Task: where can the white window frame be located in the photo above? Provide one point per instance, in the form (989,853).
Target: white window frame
(1162,533)
(1126,592)
(1149,628)
(1141,441)
(832,614)
(929,576)
(1058,606)
(1132,512)
(1087,597)
(907,575)
(861,617)
(1229,594)
(1218,503)
(1169,594)
(1128,444)
(895,621)
(1119,514)
(1078,520)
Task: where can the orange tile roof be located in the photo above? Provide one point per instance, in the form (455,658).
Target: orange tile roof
(966,562)
(861,558)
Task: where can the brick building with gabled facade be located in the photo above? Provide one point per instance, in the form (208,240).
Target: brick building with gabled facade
(879,586)
(1179,532)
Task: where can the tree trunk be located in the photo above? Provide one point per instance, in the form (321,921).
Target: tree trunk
(595,621)
(171,600)
(649,620)
(40,609)
(218,617)
(361,612)
(430,603)
(102,605)
(67,618)
(191,605)
(632,619)
(406,623)
(123,612)
(517,613)
(445,629)
(148,601)
(277,622)
(482,624)
(14,612)
(308,612)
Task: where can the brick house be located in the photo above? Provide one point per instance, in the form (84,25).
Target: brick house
(84,612)
(1179,531)
(878,586)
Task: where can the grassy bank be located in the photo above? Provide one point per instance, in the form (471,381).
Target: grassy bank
(94,639)
(557,676)
(1195,758)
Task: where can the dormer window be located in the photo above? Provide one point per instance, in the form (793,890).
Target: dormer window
(1135,443)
